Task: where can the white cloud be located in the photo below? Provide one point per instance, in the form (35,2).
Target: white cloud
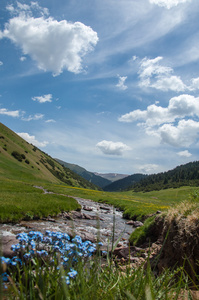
(184,153)
(34,117)
(153,74)
(182,135)
(121,84)
(148,168)
(112,148)
(194,84)
(32,140)
(1,63)
(178,108)
(43,99)
(160,121)
(50,121)
(26,9)
(168,3)
(54,45)
(15,113)
(173,83)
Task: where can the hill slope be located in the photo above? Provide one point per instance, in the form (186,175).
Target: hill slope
(91,177)
(124,183)
(20,160)
(184,175)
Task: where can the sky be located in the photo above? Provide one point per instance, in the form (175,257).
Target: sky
(110,85)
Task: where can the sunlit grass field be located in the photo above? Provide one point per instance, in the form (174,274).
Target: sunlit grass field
(134,205)
(21,200)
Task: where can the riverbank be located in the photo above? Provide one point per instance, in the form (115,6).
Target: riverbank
(167,241)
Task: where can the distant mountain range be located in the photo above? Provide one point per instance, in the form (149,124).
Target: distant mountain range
(111,176)
(187,174)
(20,160)
(111,182)
(124,183)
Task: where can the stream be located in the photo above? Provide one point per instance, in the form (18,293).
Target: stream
(98,223)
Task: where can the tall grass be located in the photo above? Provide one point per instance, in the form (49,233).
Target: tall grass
(19,200)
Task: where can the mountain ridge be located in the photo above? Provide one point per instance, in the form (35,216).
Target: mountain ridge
(111,176)
(91,177)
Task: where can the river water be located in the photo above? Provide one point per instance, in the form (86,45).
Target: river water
(107,226)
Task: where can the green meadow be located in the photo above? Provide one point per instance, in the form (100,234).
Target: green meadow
(96,278)
(21,200)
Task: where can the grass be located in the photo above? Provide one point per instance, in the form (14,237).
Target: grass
(134,205)
(19,200)
(96,278)
(14,205)
(139,236)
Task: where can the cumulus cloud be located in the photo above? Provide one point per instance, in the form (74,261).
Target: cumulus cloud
(53,45)
(121,84)
(14,113)
(184,153)
(194,84)
(1,63)
(168,3)
(112,148)
(43,99)
(179,107)
(160,121)
(32,140)
(153,74)
(182,135)
(35,117)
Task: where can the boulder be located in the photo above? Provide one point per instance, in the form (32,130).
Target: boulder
(87,208)
(105,208)
(6,243)
(134,223)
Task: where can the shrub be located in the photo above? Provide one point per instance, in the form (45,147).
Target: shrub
(17,155)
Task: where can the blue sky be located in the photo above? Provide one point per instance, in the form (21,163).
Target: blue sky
(112,86)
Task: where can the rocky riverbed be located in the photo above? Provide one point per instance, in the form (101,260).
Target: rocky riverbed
(94,222)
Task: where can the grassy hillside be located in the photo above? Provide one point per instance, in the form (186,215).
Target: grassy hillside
(91,177)
(23,161)
(23,166)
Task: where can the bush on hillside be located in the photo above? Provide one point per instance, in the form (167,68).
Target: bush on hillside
(18,156)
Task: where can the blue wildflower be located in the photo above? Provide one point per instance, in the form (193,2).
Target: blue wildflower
(66,279)
(5,260)
(72,273)
(27,255)
(5,277)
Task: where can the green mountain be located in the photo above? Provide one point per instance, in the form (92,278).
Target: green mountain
(20,160)
(184,175)
(91,177)
(124,183)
